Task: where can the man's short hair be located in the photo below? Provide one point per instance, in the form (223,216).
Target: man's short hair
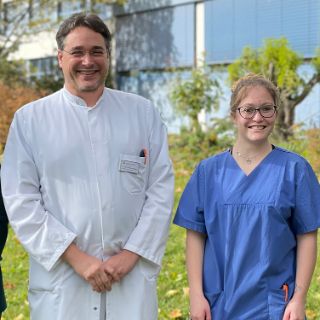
(90,21)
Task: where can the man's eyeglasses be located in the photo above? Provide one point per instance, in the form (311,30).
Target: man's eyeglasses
(266,111)
(80,53)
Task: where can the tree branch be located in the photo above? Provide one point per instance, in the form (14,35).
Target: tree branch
(306,90)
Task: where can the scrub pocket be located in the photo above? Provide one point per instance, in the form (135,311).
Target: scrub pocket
(132,173)
(277,301)
(214,299)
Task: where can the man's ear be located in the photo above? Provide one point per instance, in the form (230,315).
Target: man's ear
(60,57)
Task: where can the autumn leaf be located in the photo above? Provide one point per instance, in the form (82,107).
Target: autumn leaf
(175,314)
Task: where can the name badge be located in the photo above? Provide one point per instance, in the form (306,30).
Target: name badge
(129,166)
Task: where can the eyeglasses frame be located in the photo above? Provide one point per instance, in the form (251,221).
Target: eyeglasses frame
(85,53)
(258,109)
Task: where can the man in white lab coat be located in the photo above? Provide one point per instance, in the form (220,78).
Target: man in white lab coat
(88,186)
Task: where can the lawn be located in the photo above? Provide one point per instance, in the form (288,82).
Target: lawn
(172,285)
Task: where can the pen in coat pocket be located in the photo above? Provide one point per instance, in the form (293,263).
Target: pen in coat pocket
(144,153)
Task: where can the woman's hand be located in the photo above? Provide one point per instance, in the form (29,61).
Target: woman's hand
(199,307)
(306,261)
(295,310)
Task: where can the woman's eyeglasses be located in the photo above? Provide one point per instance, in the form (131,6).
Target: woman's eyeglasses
(266,111)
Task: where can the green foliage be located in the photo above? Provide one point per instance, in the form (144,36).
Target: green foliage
(316,61)
(225,131)
(305,143)
(201,144)
(199,92)
(49,83)
(275,60)
(11,72)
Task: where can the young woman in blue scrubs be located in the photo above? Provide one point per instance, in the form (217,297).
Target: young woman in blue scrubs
(3,237)
(251,215)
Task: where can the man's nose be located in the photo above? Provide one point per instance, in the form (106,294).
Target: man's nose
(87,58)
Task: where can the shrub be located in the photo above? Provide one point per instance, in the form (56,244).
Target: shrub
(12,98)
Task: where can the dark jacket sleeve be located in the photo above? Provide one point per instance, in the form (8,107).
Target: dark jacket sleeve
(3,223)
(3,238)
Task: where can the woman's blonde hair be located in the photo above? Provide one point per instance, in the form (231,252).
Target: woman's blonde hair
(240,87)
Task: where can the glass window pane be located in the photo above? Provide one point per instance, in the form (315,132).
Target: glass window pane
(38,68)
(251,21)
(43,13)
(219,31)
(155,39)
(155,86)
(67,8)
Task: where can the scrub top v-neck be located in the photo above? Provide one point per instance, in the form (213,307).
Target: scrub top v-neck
(251,222)
(254,167)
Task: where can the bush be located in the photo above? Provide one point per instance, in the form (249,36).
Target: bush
(306,143)
(12,98)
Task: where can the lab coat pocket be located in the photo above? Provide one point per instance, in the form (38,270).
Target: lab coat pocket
(43,280)
(44,304)
(132,171)
(43,293)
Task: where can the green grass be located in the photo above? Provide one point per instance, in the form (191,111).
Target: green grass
(172,284)
(15,273)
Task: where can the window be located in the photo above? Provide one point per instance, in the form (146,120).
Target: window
(104,11)
(155,39)
(155,86)
(42,13)
(38,68)
(231,25)
(67,8)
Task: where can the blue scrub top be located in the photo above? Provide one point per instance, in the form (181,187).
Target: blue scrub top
(251,223)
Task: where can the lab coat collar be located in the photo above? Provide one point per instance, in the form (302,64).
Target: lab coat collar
(79,102)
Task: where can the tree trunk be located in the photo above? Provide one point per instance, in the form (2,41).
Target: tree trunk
(196,127)
(285,119)
(286,112)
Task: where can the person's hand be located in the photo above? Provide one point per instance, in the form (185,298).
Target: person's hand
(199,307)
(88,267)
(120,264)
(295,310)
(91,270)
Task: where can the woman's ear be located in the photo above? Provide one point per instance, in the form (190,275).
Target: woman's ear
(233,117)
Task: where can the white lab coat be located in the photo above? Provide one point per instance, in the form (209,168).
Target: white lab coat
(74,174)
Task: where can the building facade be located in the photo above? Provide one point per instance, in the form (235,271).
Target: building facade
(154,40)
